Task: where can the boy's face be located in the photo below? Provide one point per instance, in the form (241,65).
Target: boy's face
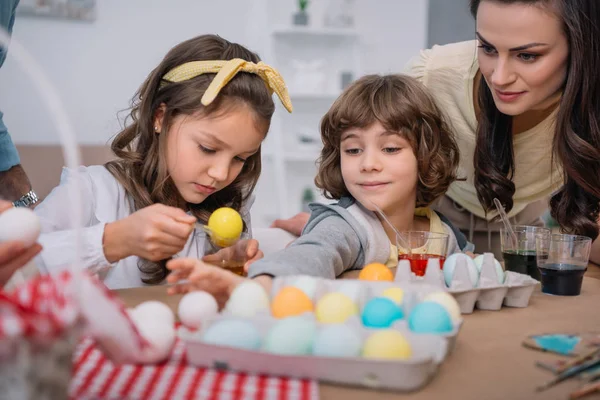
(206,154)
(379,167)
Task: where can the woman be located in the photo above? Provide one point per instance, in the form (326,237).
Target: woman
(524,103)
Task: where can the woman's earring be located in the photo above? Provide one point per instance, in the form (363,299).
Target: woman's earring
(156,129)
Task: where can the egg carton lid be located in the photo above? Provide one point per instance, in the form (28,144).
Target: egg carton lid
(429,351)
(487,293)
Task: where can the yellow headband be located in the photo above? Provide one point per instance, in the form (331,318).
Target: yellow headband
(225,71)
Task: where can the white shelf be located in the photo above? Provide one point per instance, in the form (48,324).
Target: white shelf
(302,156)
(302,31)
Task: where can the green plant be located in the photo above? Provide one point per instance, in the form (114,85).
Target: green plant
(303,4)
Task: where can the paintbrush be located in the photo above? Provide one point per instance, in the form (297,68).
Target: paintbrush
(577,361)
(569,373)
(585,390)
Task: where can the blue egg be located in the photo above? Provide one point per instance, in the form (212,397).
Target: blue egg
(381,312)
(450,265)
(291,336)
(429,317)
(233,333)
(337,340)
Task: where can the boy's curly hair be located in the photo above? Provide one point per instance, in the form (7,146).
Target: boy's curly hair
(401,104)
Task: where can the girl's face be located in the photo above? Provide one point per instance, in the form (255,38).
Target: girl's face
(379,167)
(206,154)
(523,54)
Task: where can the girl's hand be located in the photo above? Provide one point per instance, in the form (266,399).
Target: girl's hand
(245,251)
(154,233)
(202,276)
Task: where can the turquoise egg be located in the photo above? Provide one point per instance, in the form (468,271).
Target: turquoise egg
(429,317)
(450,265)
(291,336)
(381,312)
(337,340)
(233,333)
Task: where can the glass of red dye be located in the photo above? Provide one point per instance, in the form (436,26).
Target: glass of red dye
(423,246)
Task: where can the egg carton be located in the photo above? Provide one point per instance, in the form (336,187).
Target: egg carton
(473,288)
(361,291)
(428,352)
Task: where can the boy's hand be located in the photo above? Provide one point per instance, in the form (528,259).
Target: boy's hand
(202,276)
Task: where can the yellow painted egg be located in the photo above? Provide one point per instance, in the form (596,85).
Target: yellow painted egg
(376,272)
(395,294)
(289,302)
(387,344)
(335,308)
(225,226)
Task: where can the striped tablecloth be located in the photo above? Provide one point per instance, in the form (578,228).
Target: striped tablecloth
(95,377)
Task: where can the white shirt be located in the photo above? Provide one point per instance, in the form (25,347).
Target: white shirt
(104,200)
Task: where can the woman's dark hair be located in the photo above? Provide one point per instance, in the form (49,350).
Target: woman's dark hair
(576,143)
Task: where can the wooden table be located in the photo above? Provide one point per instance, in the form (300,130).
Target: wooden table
(489,361)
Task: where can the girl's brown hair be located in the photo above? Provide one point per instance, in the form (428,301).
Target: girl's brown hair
(141,165)
(577,137)
(401,104)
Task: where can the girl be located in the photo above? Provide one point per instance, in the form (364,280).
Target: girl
(385,144)
(193,146)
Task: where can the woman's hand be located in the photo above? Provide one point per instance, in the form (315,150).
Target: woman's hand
(154,233)
(199,275)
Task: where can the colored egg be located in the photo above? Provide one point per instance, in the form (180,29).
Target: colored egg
(225,226)
(430,317)
(450,265)
(233,333)
(337,340)
(395,294)
(334,308)
(289,302)
(376,272)
(387,344)
(499,270)
(247,299)
(381,312)
(307,284)
(291,336)
(448,302)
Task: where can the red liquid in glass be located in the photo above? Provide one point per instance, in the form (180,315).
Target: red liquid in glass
(418,262)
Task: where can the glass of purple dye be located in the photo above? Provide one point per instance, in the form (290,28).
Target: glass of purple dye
(562,261)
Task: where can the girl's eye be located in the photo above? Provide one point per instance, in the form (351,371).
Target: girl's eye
(391,150)
(206,150)
(240,159)
(487,49)
(352,151)
(528,57)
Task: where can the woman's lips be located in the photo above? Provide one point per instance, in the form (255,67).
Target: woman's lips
(507,97)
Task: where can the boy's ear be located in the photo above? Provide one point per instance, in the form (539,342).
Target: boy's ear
(158,117)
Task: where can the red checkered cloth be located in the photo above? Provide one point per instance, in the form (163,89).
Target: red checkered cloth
(95,377)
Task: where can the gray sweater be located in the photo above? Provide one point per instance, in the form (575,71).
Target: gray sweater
(338,237)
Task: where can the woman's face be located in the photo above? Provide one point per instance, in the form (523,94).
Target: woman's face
(523,54)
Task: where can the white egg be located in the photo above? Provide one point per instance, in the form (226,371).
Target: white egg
(160,337)
(19,223)
(196,307)
(307,284)
(157,311)
(247,299)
